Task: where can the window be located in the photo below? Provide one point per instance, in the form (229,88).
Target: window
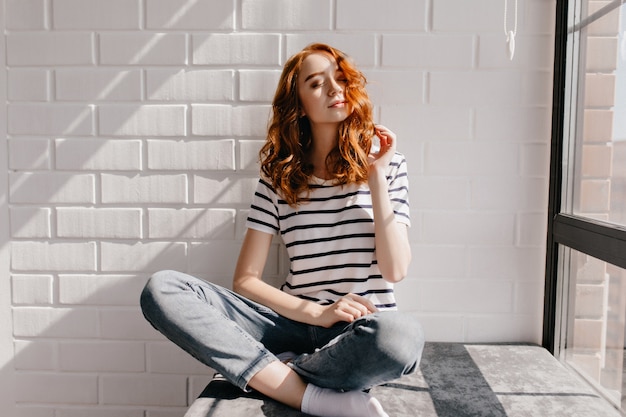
(585,310)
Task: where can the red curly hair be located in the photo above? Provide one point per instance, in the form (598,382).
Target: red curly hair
(284,155)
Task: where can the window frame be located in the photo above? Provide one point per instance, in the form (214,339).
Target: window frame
(602,240)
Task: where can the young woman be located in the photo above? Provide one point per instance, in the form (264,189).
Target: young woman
(341,208)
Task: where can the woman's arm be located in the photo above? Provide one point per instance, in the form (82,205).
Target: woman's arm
(248,282)
(393,250)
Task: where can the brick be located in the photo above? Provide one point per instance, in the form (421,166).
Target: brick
(101,155)
(594,196)
(95,14)
(167,358)
(285,15)
(460,16)
(438,262)
(535,160)
(520,124)
(509,194)
(30,222)
(205,224)
(441,193)
(101,356)
(405,15)
(137,48)
(506,263)
(258,85)
(251,120)
(224,190)
(475,158)
(49,48)
(428,51)
(608,25)
(538,17)
(598,125)
(190,84)
(182,14)
(218,259)
(110,290)
(395,87)
(587,333)
(236,49)
(360,47)
(211,119)
(101,223)
(58,187)
(73,411)
(34,411)
(142,120)
(249,155)
(529,298)
(97,84)
(27,85)
(531,52)
(467,296)
(596,161)
(144,257)
(35,355)
(504,328)
(25,14)
(221,120)
(191,155)
(126,324)
(32,289)
(50,119)
(29,154)
(601,54)
(43,256)
(531,230)
(157,390)
(537,88)
(489,88)
(448,328)
(144,188)
(590,300)
(481,228)
(56,388)
(435,123)
(600,90)
(54,322)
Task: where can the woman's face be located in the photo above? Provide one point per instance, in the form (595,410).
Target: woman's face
(321,90)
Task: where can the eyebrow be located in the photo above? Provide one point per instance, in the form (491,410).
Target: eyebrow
(313,75)
(320,73)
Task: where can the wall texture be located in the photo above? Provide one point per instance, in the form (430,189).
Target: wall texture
(131,142)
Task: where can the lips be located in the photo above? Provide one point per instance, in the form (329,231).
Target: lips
(338,103)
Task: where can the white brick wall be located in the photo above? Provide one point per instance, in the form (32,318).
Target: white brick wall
(131,129)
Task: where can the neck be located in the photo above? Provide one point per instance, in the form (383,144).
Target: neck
(325,139)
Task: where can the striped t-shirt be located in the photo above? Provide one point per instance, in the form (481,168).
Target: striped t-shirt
(330,236)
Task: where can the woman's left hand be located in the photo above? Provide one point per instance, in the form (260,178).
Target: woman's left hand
(387,149)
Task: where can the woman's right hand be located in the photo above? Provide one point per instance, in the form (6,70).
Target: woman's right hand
(348,308)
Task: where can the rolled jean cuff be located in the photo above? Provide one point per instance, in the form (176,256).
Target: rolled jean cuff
(263,360)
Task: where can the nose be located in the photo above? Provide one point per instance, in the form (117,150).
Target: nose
(334,88)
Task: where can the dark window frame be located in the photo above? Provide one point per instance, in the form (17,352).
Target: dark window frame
(601,240)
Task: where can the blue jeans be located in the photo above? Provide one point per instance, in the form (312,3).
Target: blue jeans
(238,337)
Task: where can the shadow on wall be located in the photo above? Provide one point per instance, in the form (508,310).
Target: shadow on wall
(80,338)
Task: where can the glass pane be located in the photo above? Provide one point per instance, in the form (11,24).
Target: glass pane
(598,189)
(595,325)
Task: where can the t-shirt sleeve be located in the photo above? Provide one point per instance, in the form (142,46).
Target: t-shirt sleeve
(263,214)
(399,189)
